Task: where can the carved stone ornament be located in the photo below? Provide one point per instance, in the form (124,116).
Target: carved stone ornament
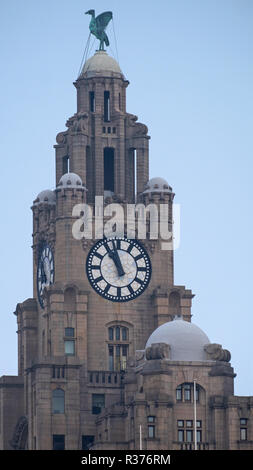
(86,244)
(138,127)
(215,352)
(61,138)
(158,351)
(77,122)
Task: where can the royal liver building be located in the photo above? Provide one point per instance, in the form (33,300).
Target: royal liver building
(108,357)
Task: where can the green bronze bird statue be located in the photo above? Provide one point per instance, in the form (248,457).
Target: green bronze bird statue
(98,25)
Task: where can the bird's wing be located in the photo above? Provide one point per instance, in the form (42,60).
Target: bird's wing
(103,20)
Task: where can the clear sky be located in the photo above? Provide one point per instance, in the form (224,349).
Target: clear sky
(190,67)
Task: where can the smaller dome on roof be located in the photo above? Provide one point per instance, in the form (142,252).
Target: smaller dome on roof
(157,185)
(186,340)
(47,196)
(70,180)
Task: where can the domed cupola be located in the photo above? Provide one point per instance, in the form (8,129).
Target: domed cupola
(45,197)
(101,64)
(157,185)
(185,339)
(70,181)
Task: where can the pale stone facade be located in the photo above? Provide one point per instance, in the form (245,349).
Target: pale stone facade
(84,378)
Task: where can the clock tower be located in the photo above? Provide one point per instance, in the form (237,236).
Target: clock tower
(96,299)
(106,345)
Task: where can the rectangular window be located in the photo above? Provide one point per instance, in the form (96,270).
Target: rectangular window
(92,101)
(151,419)
(179,394)
(58,442)
(199,424)
(243,434)
(118,333)
(189,435)
(124,334)
(180,435)
(69,347)
(87,442)
(199,436)
(243,422)
(124,357)
(70,332)
(98,402)
(117,357)
(187,392)
(110,334)
(151,431)
(107,106)
(111,360)
(65,164)
(189,423)
(180,423)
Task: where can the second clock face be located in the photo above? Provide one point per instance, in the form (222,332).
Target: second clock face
(45,271)
(119,269)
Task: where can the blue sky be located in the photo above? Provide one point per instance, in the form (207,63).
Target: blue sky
(189,63)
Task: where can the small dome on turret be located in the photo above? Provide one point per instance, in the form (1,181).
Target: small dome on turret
(101,64)
(157,185)
(71,180)
(47,196)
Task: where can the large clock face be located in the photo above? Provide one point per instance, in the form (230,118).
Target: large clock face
(45,271)
(119,269)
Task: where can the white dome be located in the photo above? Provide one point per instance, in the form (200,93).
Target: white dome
(70,180)
(186,340)
(101,64)
(46,196)
(157,185)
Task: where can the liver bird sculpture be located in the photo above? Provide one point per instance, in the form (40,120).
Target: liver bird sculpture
(98,25)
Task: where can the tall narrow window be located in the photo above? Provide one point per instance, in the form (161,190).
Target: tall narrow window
(108,169)
(118,347)
(98,402)
(107,106)
(92,101)
(65,165)
(58,401)
(243,429)
(119,101)
(135,173)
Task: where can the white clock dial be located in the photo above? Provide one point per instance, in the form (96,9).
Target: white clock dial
(119,269)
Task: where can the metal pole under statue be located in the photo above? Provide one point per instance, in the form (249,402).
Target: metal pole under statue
(195,415)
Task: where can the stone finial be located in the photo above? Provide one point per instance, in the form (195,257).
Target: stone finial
(158,351)
(215,352)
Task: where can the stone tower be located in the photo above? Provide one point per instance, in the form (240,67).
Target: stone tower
(82,334)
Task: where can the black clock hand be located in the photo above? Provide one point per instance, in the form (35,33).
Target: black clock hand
(117,261)
(115,257)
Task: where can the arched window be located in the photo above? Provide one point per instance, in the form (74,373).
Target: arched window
(58,401)
(70,299)
(118,345)
(185,392)
(174,299)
